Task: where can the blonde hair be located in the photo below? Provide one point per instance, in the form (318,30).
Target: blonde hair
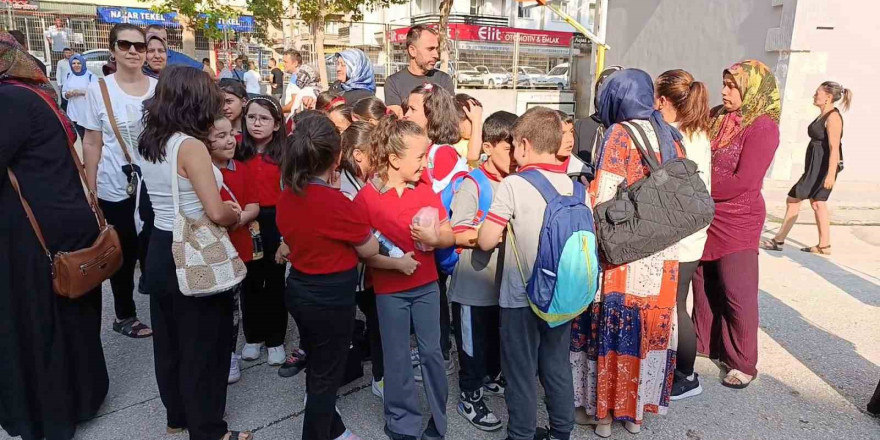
(838,93)
(387,139)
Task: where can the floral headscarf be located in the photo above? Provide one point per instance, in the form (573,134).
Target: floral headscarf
(18,65)
(359,71)
(760,96)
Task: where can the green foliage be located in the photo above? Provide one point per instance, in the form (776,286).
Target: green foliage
(198,14)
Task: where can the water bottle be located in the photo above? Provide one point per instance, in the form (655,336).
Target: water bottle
(254,228)
(386,246)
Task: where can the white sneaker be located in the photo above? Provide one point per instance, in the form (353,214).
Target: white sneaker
(251,352)
(234,370)
(379,388)
(277,355)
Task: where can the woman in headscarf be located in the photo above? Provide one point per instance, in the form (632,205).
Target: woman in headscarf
(74,91)
(157,55)
(354,76)
(623,347)
(745,134)
(52,372)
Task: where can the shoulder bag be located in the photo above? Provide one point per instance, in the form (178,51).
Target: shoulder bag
(77,272)
(206,263)
(644,218)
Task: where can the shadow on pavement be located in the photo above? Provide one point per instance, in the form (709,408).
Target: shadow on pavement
(830,357)
(863,290)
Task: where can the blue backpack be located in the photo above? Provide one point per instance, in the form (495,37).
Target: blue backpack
(565,276)
(447,258)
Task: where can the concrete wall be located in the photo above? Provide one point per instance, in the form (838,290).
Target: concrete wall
(845,54)
(701,36)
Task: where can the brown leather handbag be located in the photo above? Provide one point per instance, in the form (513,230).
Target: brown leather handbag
(76,273)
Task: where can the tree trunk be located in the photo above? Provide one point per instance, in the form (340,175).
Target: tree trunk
(445,9)
(319,48)
(188,45)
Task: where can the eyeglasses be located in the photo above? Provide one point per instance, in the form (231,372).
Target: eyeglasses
(263,120)
(125,46)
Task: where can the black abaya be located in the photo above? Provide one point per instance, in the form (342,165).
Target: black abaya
(52,370)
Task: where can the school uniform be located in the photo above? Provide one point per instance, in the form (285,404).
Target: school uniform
(237,187)
(473,291)
(401,299)
(321,228)
(528,345)
(262,302)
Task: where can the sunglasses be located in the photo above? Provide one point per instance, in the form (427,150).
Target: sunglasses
(125,46)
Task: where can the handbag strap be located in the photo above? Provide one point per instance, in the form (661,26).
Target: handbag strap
(516,254)
(91,198)
(29,213)
(173,150)
(105,93)
(641,142)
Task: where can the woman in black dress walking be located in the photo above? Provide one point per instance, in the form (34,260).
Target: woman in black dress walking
(52,371)
(823,162)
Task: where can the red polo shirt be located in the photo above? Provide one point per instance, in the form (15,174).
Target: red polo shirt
(237,179)
(392,215)
(266,179)
(445,160)
(321,226)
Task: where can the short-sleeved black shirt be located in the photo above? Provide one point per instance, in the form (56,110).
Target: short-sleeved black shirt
(399,85)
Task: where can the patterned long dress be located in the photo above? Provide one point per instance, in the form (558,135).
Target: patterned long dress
(623,347)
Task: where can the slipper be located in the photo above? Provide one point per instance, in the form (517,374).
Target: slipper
(173,431)
(742,379)
(771,245)
(818,250)
(236,435)
(132,328)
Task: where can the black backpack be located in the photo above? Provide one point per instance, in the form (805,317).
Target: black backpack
(656,212)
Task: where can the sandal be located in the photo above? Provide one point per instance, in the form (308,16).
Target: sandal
(603,427)
(742,379)
(173,431)
(633,428)
(236,435)
(770,244)
(818,250)
(132,328)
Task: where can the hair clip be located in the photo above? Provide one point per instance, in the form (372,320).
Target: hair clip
(335,102)
(266,98)
(428,87)
(389,112)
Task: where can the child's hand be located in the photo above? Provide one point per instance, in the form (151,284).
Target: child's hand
(474,111)
(235,206)
(426,235)
(407,264)
(335,179)
(282,253)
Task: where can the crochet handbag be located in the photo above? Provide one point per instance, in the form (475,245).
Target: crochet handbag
(205,260)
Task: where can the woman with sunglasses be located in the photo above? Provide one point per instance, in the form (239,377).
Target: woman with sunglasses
(112,161)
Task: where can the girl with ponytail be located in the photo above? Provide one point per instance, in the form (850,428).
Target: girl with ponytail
(326,236)
(823,162)
(684,103)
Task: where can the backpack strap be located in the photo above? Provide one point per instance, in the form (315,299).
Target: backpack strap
(641,142)
(547,190)
(484,194)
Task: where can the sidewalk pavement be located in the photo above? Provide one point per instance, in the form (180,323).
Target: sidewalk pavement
(819,364)
(851,203)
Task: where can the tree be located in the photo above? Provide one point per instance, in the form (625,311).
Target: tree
(445,9)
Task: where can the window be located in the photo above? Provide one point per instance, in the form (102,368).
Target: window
(477,6)
(524,12)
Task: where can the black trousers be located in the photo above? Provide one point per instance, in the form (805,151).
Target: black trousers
(478,338)
(445,346)
(190,345)
(121,216)
(263,314)
(327,339)
(366,301)
(687,336)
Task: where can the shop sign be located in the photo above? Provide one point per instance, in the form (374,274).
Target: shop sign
(143,17)
(495,34)
(21,5)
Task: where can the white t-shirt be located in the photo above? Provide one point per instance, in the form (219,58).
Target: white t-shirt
(62,68)
(129,113)
(699,150)
(58,36)
(252,82)
(77,106)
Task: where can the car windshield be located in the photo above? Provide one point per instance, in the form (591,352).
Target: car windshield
(465,66)
(97,56)
(559,70)
(497,70)
(531,70)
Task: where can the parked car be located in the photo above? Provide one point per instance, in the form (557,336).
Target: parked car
(467,75)
(531,77)
(95,60)
(558,77)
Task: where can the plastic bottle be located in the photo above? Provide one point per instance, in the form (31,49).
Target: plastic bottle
(386,246)
(428,216)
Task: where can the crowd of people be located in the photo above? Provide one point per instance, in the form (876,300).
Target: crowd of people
(241,210)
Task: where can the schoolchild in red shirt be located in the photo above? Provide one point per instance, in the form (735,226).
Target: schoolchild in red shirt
(326,236)
(236,187)
(433,109)
(262,301)
(390,200)
(234,100)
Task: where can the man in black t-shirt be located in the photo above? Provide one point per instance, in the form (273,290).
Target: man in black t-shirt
(422,45)
(277,79)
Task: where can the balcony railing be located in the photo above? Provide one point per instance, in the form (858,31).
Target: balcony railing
(479,20)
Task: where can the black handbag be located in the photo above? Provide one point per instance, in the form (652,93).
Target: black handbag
(644,218)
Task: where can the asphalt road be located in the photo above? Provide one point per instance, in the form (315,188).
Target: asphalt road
(819,364)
